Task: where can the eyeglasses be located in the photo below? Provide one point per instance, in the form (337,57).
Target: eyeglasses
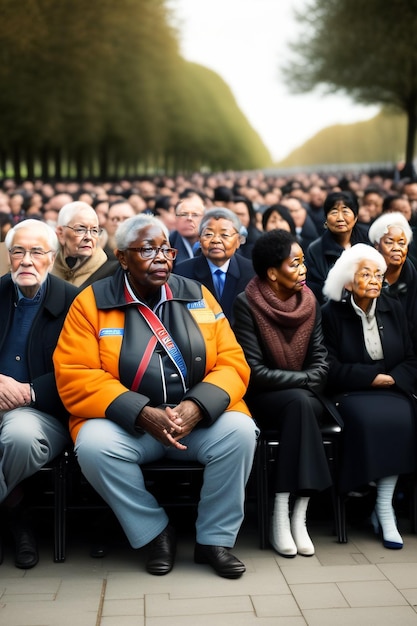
(366,276)
(189,216)
(224,236)
(150,252)
(389,243)
(34,253)
(81,231)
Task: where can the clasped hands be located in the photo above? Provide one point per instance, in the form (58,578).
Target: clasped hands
(13,394)
(168,425)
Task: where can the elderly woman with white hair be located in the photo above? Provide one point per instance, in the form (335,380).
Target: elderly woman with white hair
(80,259)
(372,376)
(391,235)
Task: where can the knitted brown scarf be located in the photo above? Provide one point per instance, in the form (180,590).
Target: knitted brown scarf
(285,326)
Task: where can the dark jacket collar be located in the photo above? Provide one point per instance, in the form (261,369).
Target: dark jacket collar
(332,248)
(202,268)
(54,299)
(383,304)
(109,292)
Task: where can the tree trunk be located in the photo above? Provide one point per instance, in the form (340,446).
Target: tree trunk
(44,161)
(58,163)
(30,163)
(103,162)
(411,134)
(3,163)
(16,163)
(79,162)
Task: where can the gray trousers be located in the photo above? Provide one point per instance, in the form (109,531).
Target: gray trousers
(28,440)
(110,459)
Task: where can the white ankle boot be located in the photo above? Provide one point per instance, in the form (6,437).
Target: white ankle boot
(299,529)
(280,535)
(384,513)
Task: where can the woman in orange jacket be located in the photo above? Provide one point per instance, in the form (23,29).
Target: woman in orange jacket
(148,366)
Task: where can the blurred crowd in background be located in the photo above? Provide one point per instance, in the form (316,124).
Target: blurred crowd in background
(300,198)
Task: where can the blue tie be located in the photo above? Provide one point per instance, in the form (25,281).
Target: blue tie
(219,278)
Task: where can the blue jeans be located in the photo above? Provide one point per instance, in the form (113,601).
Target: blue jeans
(28,440)
(110,459)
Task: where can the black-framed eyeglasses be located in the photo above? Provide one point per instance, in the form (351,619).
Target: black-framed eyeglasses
(225,236)
(150,252)
(35,253)
(81,231)
(189,216)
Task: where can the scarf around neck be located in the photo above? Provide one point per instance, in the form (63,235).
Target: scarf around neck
(77,275)
(285,325)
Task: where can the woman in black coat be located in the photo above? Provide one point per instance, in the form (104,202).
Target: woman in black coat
(372,374)
(277,323)
(391,235)
(341,210)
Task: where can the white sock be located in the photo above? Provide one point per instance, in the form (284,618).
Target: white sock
(384,509)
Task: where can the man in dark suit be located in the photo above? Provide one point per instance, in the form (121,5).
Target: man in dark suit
(189,212)
(218,267)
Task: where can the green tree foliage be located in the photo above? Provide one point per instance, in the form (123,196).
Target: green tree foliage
(365,49)
(213,130)
(379,140)
(103,82)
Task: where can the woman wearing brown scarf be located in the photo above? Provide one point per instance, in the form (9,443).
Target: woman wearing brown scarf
(278,324)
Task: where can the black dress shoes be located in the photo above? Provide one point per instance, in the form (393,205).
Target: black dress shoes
(162,552)
(223,563)
(98,550)
(26,549)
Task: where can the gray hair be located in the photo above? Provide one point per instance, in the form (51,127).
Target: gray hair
(42,227)
(128,230)
(222,213)
(381,225)
(343,271)
(68,211)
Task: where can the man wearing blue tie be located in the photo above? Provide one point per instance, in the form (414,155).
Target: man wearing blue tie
(219,277)
(218,267)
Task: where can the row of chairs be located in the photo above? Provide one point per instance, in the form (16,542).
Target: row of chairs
(266,455)
(67,477)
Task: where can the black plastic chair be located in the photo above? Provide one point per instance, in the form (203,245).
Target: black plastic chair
(173,484)
(268,449)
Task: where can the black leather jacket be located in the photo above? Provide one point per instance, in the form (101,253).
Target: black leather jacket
(264,374)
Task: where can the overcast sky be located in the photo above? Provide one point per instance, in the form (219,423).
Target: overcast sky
(244,41)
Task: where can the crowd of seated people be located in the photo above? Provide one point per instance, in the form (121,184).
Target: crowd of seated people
(44,199)
(264,248)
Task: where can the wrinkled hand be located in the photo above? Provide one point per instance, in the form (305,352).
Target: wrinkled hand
(164,427)
(189,414)
(13,394)
(383,380)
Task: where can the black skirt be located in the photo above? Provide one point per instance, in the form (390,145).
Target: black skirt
(294,415)
(379,437)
